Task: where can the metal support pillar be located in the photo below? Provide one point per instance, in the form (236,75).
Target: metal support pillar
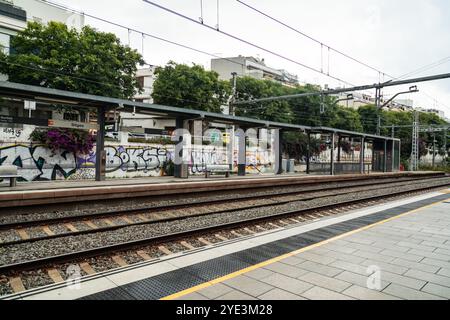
(230,147)
(308,153)
(280,153)
(385,156)
(434,149)
(242,153)
(339,149)
(100,155)
(361,156)
(178,168)
(393,156)
(332,155)
(377,105)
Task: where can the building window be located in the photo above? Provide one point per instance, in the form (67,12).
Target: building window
(4,42)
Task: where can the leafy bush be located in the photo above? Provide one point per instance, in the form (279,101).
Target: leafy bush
(70,140)
(169,168)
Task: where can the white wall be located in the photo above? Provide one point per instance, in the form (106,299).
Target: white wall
(43,12)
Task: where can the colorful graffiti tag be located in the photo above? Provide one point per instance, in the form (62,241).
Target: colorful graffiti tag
(35,162)
(137,161)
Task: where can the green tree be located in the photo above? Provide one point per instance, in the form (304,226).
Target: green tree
(57,57)
(307,110)
(248,88)
(193,87)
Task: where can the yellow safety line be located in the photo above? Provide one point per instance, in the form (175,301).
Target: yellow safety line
(287,255)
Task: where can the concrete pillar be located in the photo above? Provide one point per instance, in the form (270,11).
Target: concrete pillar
(332,155)
(100,155)
(361,156)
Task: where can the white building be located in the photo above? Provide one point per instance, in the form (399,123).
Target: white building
(14,15)
(146,78)
(359,100)
(252,67)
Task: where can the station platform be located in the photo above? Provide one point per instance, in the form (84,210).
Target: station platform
(47,192)
(397,250)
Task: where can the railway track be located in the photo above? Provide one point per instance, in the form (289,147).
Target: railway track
(285,216)
(173,212)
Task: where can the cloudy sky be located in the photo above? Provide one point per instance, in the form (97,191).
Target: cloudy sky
(396,37)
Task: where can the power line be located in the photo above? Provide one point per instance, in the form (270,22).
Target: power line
(245,41)
(309,37)
(344,54)
(425,68)
(92,81)
(142,32)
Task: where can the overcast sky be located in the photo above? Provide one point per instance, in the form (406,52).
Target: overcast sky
(396,37)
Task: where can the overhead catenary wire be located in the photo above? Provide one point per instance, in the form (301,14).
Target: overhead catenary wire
(308,36)
(192,48)
(246,41)
(381,73)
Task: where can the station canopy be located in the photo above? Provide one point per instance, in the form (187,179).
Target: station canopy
(41,94)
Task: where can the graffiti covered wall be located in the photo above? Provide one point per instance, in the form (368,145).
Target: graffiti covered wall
(38,163)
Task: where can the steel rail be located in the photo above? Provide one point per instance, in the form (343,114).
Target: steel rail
(148,209)
(128,245)
(179,218)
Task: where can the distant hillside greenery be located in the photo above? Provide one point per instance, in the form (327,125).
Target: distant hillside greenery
(194,87)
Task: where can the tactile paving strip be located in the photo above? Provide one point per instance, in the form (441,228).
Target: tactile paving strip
(178,280)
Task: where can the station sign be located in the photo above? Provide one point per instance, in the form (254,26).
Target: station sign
(21,120)
(72,124)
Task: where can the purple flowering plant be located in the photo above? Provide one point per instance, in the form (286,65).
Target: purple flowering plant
(78,142)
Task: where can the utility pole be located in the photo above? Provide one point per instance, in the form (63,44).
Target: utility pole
(415,143)
(377,105)
(231,130)
(233,95)
(434,148)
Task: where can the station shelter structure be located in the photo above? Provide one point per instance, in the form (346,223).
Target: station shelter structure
(375,153)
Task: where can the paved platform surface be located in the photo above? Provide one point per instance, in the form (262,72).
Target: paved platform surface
(397,250)
(409,255)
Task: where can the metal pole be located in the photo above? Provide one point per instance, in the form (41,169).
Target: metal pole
(332,155)
(233,94)
(385,156)
(280,153)
(393,156)
(434,149)
(339,149)
(100,156)
(179,124)
(377,105)
(361,156)
(231,138)
(358,88)
(308,154)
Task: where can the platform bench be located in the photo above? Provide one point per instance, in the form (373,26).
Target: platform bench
(218,169)
(9,172)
